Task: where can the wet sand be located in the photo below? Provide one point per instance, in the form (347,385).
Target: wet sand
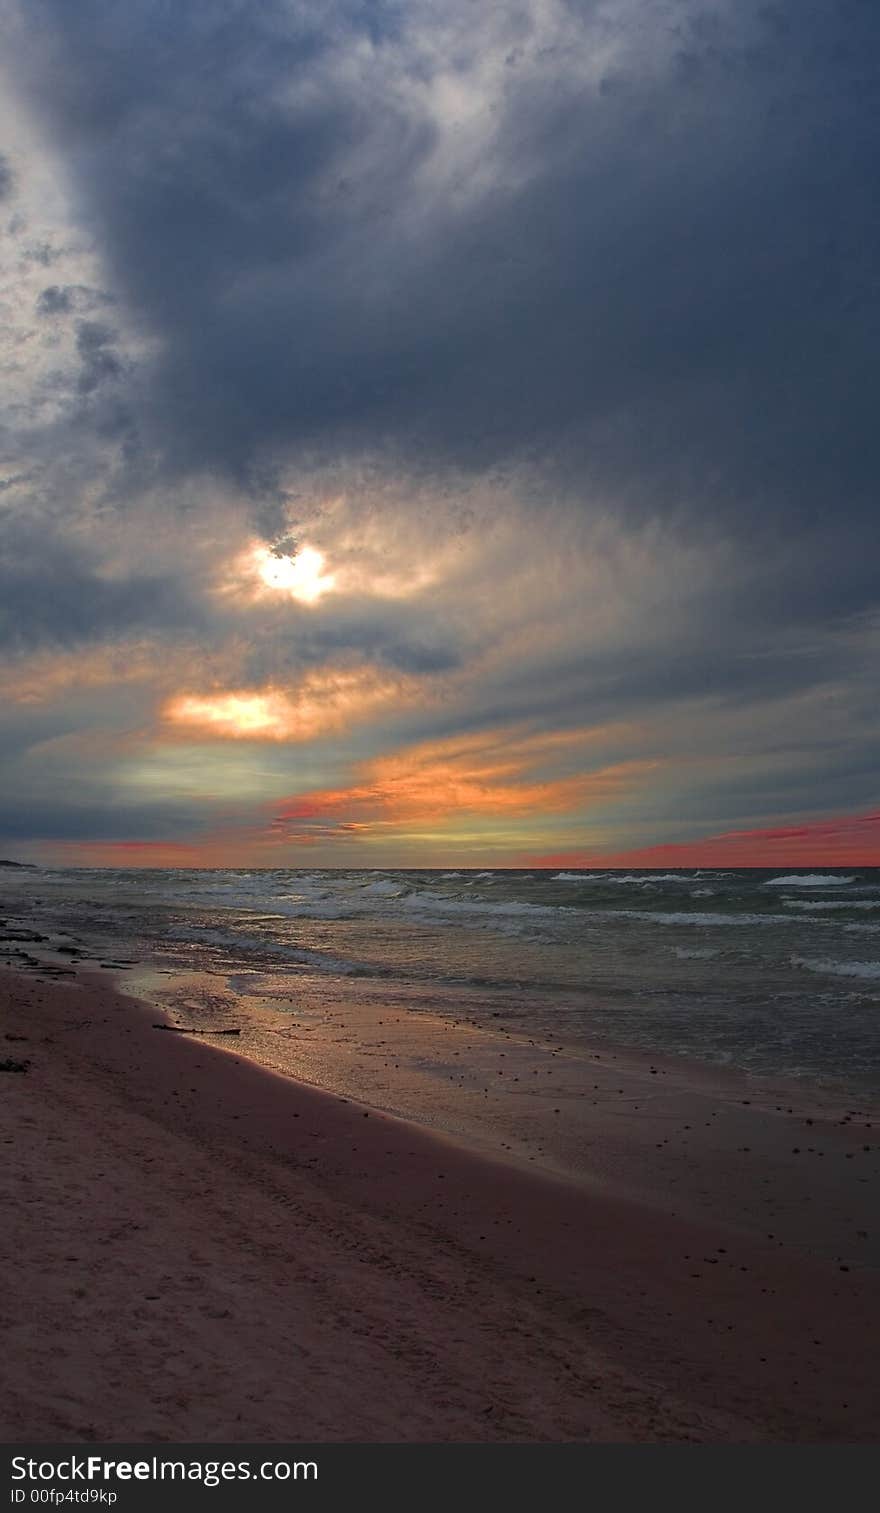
(200,1249)
(713,1143)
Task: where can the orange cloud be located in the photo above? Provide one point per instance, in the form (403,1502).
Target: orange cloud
(324,701)
(487,774)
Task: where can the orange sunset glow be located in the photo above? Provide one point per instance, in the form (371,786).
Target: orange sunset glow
(481,777)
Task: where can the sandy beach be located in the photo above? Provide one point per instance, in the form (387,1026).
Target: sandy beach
(197,1248)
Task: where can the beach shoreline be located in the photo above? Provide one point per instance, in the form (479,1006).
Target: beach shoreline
(667,1132)
(202,1249)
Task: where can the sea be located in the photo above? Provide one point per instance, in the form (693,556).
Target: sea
(772,973)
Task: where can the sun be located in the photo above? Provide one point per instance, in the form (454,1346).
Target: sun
(302,575)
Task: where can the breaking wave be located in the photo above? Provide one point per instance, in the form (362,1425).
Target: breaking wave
(819,903)
(868,970)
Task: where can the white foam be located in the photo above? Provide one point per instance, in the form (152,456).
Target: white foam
(809,880)
(870,970)
(570,877)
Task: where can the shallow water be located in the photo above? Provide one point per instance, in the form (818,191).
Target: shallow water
(770,972)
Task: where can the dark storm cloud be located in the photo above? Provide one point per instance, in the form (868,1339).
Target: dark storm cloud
(6,179)
(53,604)
(678,301)
(52,594)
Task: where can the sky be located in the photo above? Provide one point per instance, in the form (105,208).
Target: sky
(439,434)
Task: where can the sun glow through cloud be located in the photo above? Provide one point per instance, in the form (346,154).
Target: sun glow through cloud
(301,575)
(325,701)
(258,715)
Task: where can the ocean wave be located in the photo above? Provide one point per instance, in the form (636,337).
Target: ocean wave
(695,953)
(812,904)
(662,877)
(809,880)
(869,970)
(659,918)
(438,903)
(633,879)
(274,950)
(430,906)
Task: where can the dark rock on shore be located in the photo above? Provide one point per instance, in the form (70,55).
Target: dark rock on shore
(186,1029)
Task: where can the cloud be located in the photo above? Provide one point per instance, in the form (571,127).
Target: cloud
(63,299)
(473,778)
(635,241)
(551,326)
(94,343)
(52,593)
(55,301)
